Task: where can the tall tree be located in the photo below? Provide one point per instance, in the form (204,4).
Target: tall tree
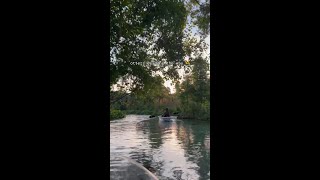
(146,31)
(157,32)
(200,79)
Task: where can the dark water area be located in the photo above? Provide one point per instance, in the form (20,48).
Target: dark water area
(170,150)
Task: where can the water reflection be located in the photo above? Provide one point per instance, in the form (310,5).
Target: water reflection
(171,150)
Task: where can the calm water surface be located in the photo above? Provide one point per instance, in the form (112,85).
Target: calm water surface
(170,150)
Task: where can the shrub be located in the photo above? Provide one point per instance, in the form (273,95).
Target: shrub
(129,111)
(116,114)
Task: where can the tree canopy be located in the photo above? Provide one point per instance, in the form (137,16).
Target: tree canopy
(154,33)
(146,31)
(149,41)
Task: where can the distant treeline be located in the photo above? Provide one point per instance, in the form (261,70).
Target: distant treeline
(191,99)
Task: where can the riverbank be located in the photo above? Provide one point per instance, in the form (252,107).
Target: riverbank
(116,114)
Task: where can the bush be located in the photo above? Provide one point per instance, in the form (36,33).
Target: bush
(155,112)
(123,107)
(144,112)
(148,112)
(116,114)
(129,111)
(195,110)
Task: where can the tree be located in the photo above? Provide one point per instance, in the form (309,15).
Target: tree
(146,31)
(200,79)
(153,32)
(194,91)
(149,37)
(201,16)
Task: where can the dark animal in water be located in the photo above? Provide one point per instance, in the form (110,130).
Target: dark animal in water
(152,116)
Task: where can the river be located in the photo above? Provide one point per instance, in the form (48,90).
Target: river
(177,150)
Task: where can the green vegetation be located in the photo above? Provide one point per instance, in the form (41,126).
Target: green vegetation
(191,100)
(116,114)
(149,42)
(194,92)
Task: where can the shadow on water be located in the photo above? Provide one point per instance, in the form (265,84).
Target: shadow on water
(170,150)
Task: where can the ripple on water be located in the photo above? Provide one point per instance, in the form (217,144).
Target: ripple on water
(178,150)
